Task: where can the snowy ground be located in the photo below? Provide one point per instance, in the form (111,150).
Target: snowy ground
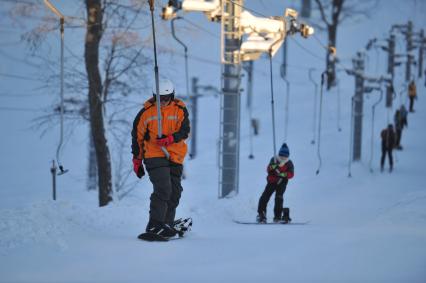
(370,227)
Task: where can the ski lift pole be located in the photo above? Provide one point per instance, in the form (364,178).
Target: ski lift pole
(53,171)
(272,92)
(248,67)
(338,108)
(351,136)
(272,104)
(61,137)
(286,108)
(319,122)
(185,48)
(314,126)
(372,128)
(157,83)
(283,74)
(61,169)
(172,23)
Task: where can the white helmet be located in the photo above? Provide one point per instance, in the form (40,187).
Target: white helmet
(166,87)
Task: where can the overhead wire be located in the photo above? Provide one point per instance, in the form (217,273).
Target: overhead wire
(2,108)
(201,28)
(249,9)
(18,77)
(18,95)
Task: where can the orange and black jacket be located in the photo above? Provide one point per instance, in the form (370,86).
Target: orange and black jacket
(412,91)
(145,130)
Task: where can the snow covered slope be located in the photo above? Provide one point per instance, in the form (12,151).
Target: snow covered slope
(370,227)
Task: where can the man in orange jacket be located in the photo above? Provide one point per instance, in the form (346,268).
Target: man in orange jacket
(412,94)
(164,171)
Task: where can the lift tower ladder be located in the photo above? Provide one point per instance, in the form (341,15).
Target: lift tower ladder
(229,135)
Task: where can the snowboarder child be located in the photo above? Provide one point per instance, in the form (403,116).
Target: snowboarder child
(164,173)
(280,170)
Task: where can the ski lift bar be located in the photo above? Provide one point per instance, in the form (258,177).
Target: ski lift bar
(53,9)
(62,22)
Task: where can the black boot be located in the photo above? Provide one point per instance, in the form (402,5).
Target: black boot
(161,229)
(261,217)
(278,217)
(286,215)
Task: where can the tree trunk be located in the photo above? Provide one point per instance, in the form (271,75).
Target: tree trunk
(91,56)
(92,169)
(331,63)
(332,41)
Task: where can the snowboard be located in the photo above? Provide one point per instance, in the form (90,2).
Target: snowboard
(271,223)
(151,237)
(182,226)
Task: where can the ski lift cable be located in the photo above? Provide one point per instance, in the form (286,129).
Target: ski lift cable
(307,50)
(351,133)
(319,122)
(185,48)
(338,109)
(266,16)
(372,128)
(315,104)
(327,48)
(186,54)
(61,137)
(2,108)
(286,108)
(61,133)
(157,83)
(272,104)
(200,28)
(18,77)
(249,9)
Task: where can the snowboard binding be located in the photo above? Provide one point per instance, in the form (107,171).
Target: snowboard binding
(182,225)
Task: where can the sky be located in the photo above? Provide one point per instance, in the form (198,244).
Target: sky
(370,227)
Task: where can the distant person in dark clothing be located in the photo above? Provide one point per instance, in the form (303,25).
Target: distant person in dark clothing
(400,121)
(412,94)
(404,114)
(388,143)
(398,129)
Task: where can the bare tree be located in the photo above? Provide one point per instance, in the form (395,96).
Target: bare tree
(331,14)
(114,69)
(91,55)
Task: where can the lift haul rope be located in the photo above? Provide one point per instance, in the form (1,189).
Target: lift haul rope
(272,105)
(157,83)
(372,129)
(320,120)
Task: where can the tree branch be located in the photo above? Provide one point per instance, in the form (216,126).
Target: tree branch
(322,11)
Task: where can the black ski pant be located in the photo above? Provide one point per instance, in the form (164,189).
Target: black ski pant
(165,177)
(411,103)
(389,153)
(279,190)
(398,134)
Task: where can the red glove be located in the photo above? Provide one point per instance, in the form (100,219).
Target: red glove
(138,168)
(165,141)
